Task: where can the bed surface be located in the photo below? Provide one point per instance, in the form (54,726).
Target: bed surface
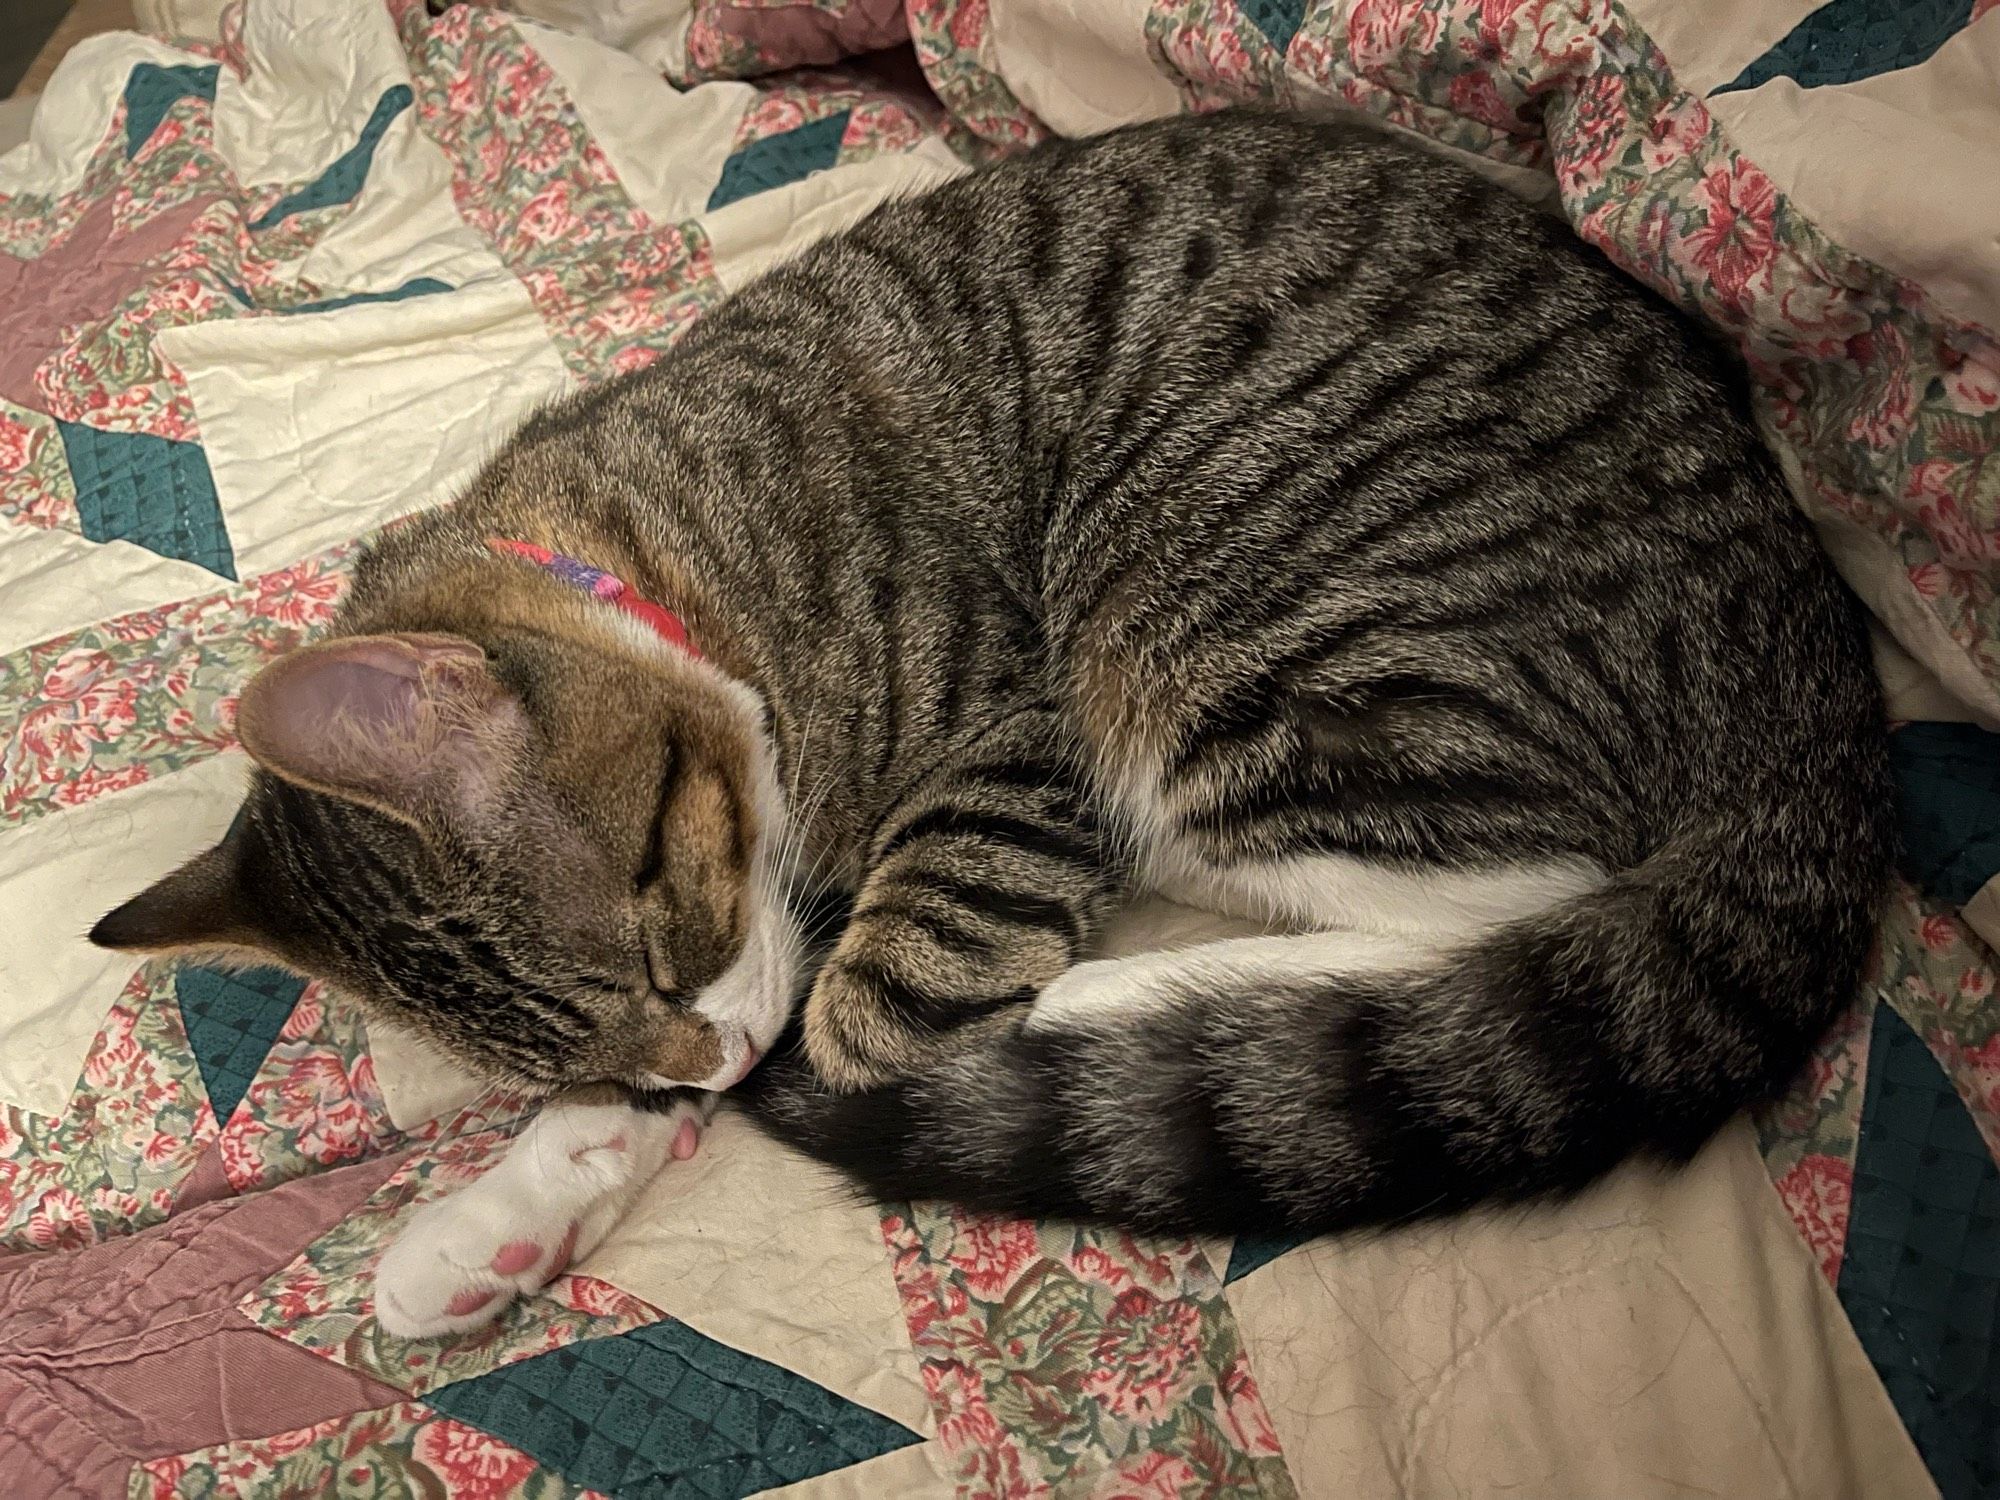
(266,291)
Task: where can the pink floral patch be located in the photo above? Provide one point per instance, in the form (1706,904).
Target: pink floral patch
(1735,243)
(1592,135)
(1981,1075)
(477,1465)
(1381,32)
(59,1221)
(600,1299)
(991,1254)
(1819,1192)
(17,443)
(135,1126)
(140,695)
(1145,1355)
(1249,1423)
(975,94)
(614,287)
(313,1103)
(1941,978)
(36,488)
(1149,1476)
(388,1454)
(1097,1348)
(1972,378)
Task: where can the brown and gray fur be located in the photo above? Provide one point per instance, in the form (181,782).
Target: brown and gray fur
(1255,509)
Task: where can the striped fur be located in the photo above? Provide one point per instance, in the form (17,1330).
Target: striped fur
(1252,509)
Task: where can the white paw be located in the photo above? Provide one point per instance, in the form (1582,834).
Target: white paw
(562,1184)
(1110,991)
(1100,990)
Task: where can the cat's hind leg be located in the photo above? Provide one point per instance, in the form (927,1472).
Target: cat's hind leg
(563,1182)
(1347,915)
(1355,893)
(1108,990)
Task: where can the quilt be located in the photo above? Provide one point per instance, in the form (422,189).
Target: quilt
(270,288)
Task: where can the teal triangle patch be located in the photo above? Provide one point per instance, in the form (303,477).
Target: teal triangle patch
(421,286)
(231,1021)
(1279,20)
(789,156)
(341,182)
(1252,1252)
(151,491)
(1845,41)
(1920,1278)
(664,1410)
(152,90)
(1948,791)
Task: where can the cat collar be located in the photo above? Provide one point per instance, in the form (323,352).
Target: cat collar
(609,587)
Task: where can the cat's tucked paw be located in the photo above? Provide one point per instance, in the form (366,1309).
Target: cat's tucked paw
(852,1035)
(552,1198)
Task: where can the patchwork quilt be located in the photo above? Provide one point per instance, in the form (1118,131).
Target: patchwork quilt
(268,290)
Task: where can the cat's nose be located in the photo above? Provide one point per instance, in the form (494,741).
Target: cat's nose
(751,1056)
(717,1059)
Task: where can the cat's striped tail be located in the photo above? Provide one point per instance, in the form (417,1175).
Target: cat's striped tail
(1234,1098)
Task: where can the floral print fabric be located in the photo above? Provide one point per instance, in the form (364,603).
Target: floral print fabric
(1057,1360)
(1027,1318)
(1070,1361)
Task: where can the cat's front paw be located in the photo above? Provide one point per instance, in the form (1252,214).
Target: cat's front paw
(852,1037)
(462,1259)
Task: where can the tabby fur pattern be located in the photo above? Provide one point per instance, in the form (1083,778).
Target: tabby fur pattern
(1254,510)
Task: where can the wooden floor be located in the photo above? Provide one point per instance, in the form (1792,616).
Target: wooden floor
(39,33)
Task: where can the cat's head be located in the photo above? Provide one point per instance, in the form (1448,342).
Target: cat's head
(544,842)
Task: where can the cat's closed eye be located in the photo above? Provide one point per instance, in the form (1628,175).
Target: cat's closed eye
(660,974)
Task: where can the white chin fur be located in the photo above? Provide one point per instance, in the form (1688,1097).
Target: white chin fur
(749,1005)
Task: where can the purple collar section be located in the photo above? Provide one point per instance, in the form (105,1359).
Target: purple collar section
(609,587)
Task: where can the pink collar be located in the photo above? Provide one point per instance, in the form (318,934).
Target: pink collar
(609,587)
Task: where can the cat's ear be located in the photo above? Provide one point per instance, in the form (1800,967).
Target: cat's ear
(200,905)
(409,724)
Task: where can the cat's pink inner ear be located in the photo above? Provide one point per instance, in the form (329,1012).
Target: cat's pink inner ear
(401,721)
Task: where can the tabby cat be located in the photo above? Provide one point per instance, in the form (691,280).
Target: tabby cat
(1257,511)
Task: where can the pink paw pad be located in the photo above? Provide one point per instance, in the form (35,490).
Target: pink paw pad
(514,1257)
(687,1140)
(468,1301)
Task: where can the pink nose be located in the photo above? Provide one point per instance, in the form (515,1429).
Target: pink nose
(751,1057)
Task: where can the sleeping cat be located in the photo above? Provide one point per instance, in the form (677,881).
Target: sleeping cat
(1256,511)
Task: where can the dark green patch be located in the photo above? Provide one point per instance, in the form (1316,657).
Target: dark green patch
(341,182)
(150,491)
(1921,1276)
(1254,1251)
(1948,793)
(790,156)
(1279,20)
(422,286)
(152,90)
(1845,41)
(232,1019)
(664,1410)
